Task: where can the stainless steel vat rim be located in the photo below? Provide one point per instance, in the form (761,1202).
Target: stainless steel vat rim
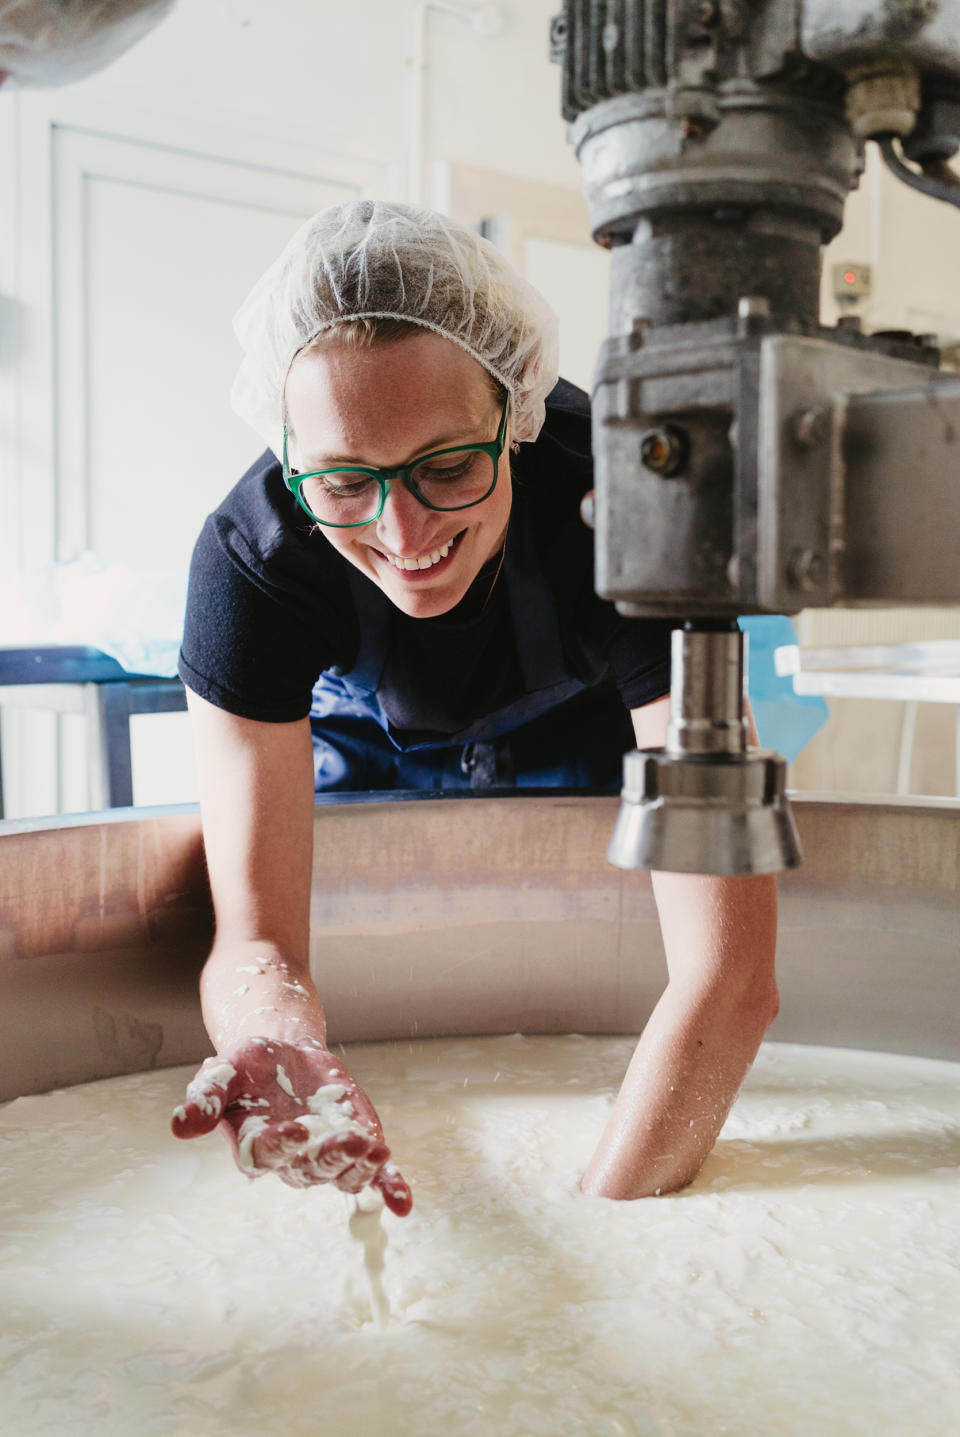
(321,800)
(919,803)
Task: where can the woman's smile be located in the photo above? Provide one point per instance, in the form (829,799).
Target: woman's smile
(423,565)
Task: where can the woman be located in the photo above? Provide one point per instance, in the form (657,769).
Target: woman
(400,595)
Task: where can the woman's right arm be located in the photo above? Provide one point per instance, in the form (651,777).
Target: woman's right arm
(260,1006)
(256,797)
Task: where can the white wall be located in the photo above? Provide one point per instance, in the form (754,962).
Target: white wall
(321,75)
(912,243)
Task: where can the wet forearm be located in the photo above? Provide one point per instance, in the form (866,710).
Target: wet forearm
(252,989)
(256,799)
(679,1087)
(720,941)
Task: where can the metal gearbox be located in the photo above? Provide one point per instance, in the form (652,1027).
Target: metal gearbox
(749,460)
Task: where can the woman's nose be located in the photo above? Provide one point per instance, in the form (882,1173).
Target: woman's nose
(405,525)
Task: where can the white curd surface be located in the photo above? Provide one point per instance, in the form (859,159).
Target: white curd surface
(807,1283)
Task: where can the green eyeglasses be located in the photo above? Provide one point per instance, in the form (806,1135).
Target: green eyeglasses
(353,494)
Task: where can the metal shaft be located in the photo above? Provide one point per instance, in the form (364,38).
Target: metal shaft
(705,803)
(706,692)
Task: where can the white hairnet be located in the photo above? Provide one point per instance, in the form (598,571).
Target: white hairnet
(52,42)
(368,259)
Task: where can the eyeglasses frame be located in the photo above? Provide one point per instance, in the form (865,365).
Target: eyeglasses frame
(403,472)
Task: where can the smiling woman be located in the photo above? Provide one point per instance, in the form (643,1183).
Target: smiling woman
(453,504)
(414,574)
(399,595)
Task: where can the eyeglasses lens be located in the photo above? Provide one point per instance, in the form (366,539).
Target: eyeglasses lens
(449,481)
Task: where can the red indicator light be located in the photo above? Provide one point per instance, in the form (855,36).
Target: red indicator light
(849,277)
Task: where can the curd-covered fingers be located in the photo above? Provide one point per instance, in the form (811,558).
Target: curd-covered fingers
(338,1153)
(271,1146)
(359,1174)
(395,1189)
(206,1097)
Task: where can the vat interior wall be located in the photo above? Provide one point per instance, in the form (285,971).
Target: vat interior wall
(504,922)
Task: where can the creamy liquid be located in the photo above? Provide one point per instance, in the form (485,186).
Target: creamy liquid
(807,1283)
(366,1228)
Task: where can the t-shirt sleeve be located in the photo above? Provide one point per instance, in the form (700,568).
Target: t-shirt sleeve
(638,653)
(633,653)
(248,646)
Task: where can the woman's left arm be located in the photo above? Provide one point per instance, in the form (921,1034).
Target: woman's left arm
(720,940)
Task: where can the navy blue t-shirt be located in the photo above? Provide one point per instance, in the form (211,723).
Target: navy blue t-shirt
(269,604)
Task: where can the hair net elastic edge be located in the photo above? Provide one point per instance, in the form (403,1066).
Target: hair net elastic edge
(343,319)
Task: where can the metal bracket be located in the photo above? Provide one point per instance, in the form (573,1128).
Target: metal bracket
(805,526)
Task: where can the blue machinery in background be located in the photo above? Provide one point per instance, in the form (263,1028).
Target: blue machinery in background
(786,721)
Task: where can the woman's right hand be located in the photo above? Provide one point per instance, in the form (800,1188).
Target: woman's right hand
(295,1110)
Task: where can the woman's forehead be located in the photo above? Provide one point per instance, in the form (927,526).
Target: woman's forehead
(399,399)
(415,360)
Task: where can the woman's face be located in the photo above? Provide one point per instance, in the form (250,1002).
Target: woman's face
(384,406)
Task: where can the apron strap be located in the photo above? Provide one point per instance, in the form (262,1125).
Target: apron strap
(373,610)
(535,626)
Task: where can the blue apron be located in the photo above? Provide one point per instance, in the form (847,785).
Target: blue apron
(560,733)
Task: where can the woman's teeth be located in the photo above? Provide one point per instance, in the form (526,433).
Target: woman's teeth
(425,561)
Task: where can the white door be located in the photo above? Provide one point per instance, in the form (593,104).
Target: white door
(118,438)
